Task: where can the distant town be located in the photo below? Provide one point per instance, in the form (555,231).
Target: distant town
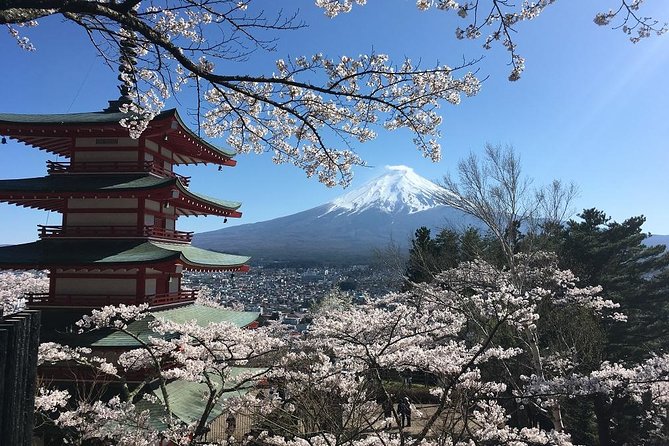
(287,294)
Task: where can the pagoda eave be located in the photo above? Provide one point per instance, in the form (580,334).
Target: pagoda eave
(57,203)
(52,193)
(209,269)
(58,133)
(196,209)
(114,254)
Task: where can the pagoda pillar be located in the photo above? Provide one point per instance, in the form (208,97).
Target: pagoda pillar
(140,292)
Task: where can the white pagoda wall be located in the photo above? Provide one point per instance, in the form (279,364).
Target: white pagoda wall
(110,286)
(98,219)
(150,287)
(104,156)
(107,203)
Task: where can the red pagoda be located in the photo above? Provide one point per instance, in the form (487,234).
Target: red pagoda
(120,199)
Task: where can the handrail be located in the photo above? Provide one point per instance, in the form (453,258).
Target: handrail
(56,167)
(114,231)
(172,298)
(100,300)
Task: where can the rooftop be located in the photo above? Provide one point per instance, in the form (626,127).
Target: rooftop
(203,315)
(50,192)
(114,253)
(54,132)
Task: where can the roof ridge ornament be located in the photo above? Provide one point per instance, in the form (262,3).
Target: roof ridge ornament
(127,62)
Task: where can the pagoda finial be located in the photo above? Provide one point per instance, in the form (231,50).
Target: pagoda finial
(126,67)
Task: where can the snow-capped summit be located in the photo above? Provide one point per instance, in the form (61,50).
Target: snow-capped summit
(400,189)
(348,230)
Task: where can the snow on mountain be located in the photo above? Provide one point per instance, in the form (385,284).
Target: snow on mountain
(386,210)
(399,189)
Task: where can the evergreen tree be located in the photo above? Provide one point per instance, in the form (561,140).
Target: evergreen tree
(472,246)
(422,257)
(610,254)
(447,249)
(603,252)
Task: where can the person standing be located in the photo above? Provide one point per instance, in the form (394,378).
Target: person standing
(387,407)
(404,411)
(231,425)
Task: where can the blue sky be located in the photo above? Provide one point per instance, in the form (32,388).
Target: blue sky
(591,108)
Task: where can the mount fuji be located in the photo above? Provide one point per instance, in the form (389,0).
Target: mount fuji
(387,209)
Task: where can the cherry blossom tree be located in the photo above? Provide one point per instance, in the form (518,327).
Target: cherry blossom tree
(15,285)
(309,110)
(475,330)
(470,321)
(186,352)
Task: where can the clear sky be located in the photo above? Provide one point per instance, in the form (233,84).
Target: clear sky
(591,108)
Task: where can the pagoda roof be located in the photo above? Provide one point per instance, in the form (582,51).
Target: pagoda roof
(50,192)
(201,314)
(100,254)
(186,399)
(54,133)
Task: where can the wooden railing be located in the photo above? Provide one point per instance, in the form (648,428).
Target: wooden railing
(115,231)
(101,300)
(55,167)
(173,298)
(171,234)
(77,300)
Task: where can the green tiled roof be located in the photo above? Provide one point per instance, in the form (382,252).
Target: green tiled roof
(64,183)
(98,118)
(69,118)
(186,397)
(203,315)
(186,400)
(217,202)
(76,252)
(86,183)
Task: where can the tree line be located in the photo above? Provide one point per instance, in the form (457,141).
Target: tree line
(598,251)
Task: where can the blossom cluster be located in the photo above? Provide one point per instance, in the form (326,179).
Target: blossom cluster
(470,320)
(649,377)
(286,115)
(637,27)
(313,110)
(15,285)
(173,351)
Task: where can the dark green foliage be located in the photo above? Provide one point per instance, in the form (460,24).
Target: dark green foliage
(447,247)
(422,257)
(602,253)
(610,254)
(472,246)
(348,285)
(429,256)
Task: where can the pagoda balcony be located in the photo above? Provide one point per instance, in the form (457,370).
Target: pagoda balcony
(153,232)
(55,167)
(181,297)
(46,300)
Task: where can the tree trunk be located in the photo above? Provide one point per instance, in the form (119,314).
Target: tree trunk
(603,415)
(554,413)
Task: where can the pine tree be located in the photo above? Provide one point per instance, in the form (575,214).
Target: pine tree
(610,254)
(447,249)
(603,252)
(422,257)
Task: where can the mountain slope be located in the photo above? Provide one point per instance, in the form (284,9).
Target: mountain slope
(348,229)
